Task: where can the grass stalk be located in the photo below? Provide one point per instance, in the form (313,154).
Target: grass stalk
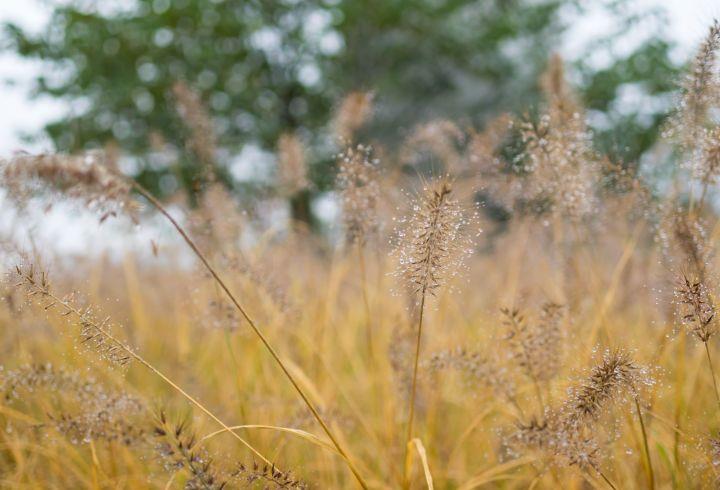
(147,195)
(413,390)
(712,373)
(606,479)
(366,301)
(86,320)
(646,448)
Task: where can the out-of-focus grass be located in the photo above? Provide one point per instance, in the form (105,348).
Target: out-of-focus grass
(614,290)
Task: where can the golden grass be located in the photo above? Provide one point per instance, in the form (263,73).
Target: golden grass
(322,334)
(575,351)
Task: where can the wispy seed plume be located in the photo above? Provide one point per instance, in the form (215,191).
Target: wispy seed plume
(615,376)
(91,178)
(701,85)
(357,181)
(353,112)
(434,241)
(201,139)
(292,171)
(697,311)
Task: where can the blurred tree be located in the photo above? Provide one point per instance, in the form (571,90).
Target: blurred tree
(630,92)
(264,68)
(118,67)
(454,58)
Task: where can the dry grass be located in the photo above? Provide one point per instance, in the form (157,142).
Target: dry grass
(572,348)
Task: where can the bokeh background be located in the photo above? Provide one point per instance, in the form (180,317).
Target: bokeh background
(82,75)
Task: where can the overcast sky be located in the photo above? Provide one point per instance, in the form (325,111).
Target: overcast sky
(688,23)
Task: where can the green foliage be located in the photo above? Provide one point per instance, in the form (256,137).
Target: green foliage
(629,129)
(450,59)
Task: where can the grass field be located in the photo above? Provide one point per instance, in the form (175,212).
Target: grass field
(571,345)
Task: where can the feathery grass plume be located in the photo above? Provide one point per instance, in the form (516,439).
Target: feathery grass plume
(700,88)
(568,434)
(441,138)
(714,449)
(558,158)
(683,234)
(561,99)
(616,376)
(201,141)
(536,346)
(179,449)
(707,169)
(483,146)
(268,476)
(89,411)
(94,333)
(34,377)
(693,123)
(352,113)
(562,443)
(697,313)
(90,178)
(292,169)
(357,180)
(432,247)
(399,355)
(211,270)
(477,370)
(433,242)
(103,416)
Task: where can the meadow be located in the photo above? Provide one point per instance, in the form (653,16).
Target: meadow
(524,312)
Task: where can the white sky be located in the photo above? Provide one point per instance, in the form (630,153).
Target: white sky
(689,20)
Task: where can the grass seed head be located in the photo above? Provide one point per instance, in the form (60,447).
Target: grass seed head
(357,181)
(700,88)
(201,139)
(696,309)
(615,376)
(292,168)
(353,112)
(85,409)
(90,177)
(535,347)
(434,242)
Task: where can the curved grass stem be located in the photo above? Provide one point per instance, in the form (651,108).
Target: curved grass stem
(99,328)
(366,301)
(646,448)
(147,195)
